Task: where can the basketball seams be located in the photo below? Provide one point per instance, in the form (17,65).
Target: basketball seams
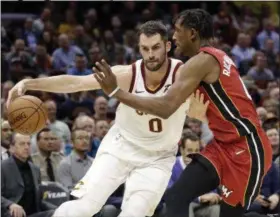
(23,97)
(37,122)
(36,111)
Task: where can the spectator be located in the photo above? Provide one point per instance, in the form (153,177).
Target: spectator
(39,24)
(43,61)
(243,50)
(46,159)
(82,40)
(270,54)
(48,41)
(75,105)
(64,57)
(6,139)
(273,136)
(73,168)
(101,129)
(68,26)
(29,35)
(80,67)
(61,129)
(260,72)
(19,54)
(117,29)
(100,108)
(266,33)
(200,129)
(110,46)
(190,144)
(271,105)
(267,202)
(20,180)
(274,94)
(95,55)
(262,114)
(84,122)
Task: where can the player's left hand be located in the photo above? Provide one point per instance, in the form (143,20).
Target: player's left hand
(274,200)
(105,77)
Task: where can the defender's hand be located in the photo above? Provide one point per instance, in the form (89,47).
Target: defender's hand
(18,90)
(197,107)
(105,77)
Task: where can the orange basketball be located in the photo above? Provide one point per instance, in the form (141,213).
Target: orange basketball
(27,115)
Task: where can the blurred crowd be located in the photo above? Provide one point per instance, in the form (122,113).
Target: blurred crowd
(64,41)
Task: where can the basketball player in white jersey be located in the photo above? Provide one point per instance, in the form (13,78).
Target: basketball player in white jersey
(140,148)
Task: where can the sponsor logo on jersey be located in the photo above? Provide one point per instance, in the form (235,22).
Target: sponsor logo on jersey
(226,192)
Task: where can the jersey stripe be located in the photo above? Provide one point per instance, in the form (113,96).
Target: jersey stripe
(257,170)
(133,78)
(228,109)
(175,70)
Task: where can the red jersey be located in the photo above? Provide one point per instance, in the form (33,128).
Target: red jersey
(231,112)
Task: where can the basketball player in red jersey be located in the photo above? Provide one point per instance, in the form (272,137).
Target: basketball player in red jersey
(240,154)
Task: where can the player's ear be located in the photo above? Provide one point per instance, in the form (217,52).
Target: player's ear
(193,34)
(168,46)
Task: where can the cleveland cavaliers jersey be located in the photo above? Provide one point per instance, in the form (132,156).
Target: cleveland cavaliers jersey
(149,131)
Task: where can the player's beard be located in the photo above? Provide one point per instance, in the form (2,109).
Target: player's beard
(157,66)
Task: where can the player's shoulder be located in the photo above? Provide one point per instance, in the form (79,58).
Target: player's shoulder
(176,61)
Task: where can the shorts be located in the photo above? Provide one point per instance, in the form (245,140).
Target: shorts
(146,174)
(241,166)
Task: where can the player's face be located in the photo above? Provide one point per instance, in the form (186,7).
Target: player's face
(154,51)
(183,38)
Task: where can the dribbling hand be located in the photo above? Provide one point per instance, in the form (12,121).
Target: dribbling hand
(105,77)
(18,90)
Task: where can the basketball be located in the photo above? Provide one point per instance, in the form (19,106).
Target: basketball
(27,115)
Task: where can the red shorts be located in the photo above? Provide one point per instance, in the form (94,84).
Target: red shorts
(241,166)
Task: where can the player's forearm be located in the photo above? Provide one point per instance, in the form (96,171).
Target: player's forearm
(159,106)
(63,84)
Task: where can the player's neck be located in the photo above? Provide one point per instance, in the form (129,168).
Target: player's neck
(197,46)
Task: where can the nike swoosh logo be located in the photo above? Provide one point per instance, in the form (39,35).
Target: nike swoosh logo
(239,152)
(136,91)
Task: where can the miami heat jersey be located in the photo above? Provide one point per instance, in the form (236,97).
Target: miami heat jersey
(231,113)
(149,131)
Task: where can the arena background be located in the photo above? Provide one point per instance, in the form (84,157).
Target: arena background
(247,31)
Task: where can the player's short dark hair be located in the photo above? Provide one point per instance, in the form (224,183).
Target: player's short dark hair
(198,19)
(191,136)
(42,131)
(153,27)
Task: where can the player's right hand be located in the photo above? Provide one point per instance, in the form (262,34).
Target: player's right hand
(16,210)
(18,90)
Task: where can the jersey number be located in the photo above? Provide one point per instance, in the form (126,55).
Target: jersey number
(155,125)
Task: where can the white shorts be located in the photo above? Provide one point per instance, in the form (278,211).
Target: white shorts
(145,174)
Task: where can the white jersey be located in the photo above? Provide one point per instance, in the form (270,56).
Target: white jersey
(145,130)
